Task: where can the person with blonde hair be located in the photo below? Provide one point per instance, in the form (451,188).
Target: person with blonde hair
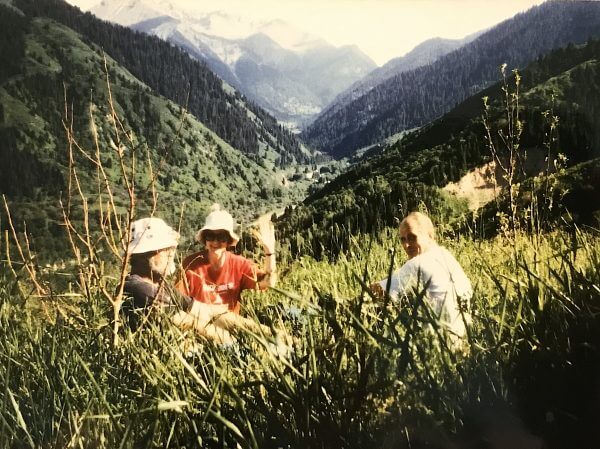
(431,268)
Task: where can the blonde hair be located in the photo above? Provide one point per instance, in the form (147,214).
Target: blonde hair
(421,222)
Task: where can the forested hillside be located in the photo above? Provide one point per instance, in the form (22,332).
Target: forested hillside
(51,78)
(374,193)
(423,54)
(171,72)
(319,361)
(415,98)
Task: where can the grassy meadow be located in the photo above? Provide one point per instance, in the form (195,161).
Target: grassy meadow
(358,372)
(344,370)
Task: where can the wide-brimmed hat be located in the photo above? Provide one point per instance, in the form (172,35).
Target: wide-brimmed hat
(151,234)
(218,220)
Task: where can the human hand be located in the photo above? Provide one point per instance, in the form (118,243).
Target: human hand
(377,290)
(266,236)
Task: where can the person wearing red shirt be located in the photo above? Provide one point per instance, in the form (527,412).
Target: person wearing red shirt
(217,276)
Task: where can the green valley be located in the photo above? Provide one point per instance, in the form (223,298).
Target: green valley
(100,125)
(57,80)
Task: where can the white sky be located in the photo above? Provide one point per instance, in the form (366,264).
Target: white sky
(383,29)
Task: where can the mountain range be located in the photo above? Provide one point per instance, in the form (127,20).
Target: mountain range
(423,54)
(292,74)
(213,144)
(415,97)
(173,73)
(206,142)
(410,174)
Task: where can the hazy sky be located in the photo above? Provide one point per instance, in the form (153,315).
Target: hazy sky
(383,29)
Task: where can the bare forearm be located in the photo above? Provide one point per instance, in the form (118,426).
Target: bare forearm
(270,269)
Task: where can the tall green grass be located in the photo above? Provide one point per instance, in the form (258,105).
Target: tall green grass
(359,372)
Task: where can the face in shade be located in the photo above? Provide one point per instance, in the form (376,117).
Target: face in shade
(415,240)
(163,262)
(216,241)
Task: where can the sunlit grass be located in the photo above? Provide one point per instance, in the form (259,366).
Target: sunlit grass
(355,368)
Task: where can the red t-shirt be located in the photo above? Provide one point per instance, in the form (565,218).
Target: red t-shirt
(224,287)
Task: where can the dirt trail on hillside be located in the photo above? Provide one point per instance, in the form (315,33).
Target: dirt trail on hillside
(477,186)
(480,186)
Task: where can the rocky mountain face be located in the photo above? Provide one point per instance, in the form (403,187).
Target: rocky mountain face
(292,74)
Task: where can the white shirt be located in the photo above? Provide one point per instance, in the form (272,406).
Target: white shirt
(445,280)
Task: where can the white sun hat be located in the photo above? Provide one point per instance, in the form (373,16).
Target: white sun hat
(151,234)
(218,220)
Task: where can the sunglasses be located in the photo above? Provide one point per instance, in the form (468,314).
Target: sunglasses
(218,236)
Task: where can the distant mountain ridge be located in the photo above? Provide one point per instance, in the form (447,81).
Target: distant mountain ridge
(423,54)
(292,74)
(410,174)
(414,98)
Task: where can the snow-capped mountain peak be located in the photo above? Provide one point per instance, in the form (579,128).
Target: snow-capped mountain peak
(228,26)
(288,71)
(290,37)
(129,12)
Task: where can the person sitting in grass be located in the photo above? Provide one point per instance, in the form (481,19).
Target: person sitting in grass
(151,254)
(152,251)
(216,277)
(432,268)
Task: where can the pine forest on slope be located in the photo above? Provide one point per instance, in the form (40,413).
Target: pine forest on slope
(171,72)
(44,64)
(414,98)
(32,82)
(374,193)
(423,54)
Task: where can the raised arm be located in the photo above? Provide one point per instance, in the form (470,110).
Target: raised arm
(266,237)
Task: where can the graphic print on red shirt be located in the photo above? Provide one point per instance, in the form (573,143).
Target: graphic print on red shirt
(223,287)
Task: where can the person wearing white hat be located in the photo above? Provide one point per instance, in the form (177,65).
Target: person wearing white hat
(152,251)
(216,276)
